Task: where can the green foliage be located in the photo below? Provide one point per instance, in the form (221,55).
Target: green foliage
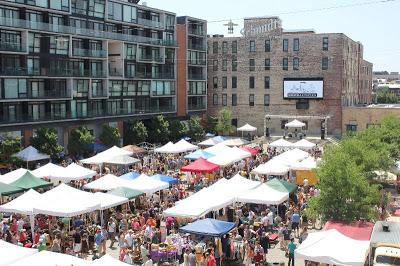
(135,132)
(110,136)
(384,96)
(177,130)
(211,124)
(346,194)
(46,141)
(79,141)
(196,131)
(8,146)
(159,130)
(224,121)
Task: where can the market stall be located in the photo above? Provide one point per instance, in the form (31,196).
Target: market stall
(29,181)
(272,167)
(212,141)
(304,144)
(73,172)
(304,170)
(7,190)
(198,154)
(263,194)
(130,176)
(10,253)
(122,160)
(13,176)
(47,258)
(23,204)
(280,144)
(48,170)
(208,227)
(102,157)
(165,148)
(165,178)
(235,142)
(125,192)
(200,166)
(148,185)
(281,185)
(31,154)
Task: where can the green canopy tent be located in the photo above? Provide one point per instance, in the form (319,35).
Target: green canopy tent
(28,181)
(125,192)
(281,185)
(7,190)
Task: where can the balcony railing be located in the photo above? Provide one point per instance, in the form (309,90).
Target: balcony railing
(150,23)
(40,26)
(144,75)
(99,94)
(196,46)
(196,107)
(196,77)
(197,62)
(89,53)
(150,58)
(196,31)
(12,47)
(52,94)
(113,72)
(56,72)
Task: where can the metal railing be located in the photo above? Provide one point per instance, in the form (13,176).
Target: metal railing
(89,53)
(196,76)
(196,31)
(196,46)
(150,58)
(150,23)
(197,62)
(12,47)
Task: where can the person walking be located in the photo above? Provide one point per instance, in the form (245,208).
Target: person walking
(291,249)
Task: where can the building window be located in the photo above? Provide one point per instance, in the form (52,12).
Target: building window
(224,47)
(252,65)
(234,64)
(252,46)
(234,99)
(234,47)
(296,63)
(267,64)
(266,99)
(266,82)
(251,100)
(285,45)
(302,104)
(215,65)
(224,99)
(215,47)
(251,83)
(267,45)
(325,63)
(234,82)
(285,64)
(224,82)
(351,128)
(234,122)
(325,44)
(215,99)
(296,44)
(224,64)
(215,82)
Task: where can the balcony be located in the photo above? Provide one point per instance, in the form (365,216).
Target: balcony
(196,46)
(49,94)
(114,72)
(12,47)
(197,62)
(196,31)
(61,29)
(150,58)
(150,23)
(98,94)
(196,107)
(196,77)
(144,75)
(89,53)
(57,72)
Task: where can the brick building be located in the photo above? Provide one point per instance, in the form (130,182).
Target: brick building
(248,74)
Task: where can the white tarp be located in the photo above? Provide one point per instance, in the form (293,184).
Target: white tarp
(306,164)
(291,156)
(65,201)
(48,170)
(12,176)
(73,172)
(147,184)
(280,143)
(107,260)
(10,253)
(106,155)
(263,194)
(212,141)
(109,200)
(122,160)
(247,128)
(165,149)
(30,154)
(235,142)
(219,149)
(224,158)
(184,146)
(304,144)
(47,258)
(331,247)
(295,124)
(272,167)
(23,204)
(107,182)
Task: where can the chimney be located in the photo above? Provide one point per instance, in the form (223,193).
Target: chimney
(385,227)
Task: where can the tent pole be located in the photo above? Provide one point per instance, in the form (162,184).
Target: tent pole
(32,220)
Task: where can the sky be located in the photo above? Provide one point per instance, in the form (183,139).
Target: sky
(375,23)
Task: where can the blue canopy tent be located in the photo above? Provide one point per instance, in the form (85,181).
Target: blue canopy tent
(197,154)
(165,178)
(208,227)
(219,139)
(130,176)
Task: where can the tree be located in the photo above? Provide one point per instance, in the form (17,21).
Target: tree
(159,130)
(46,141)
(224,121)
(135,132)
(211,124)
(385,96)
(346,194)
(196,131)
(177,130)
(110,136)
(79,141)
(9,145)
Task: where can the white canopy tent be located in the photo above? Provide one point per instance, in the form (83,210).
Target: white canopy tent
(165,148)
(30,154)
(10,253)
(272,167)
(306,164)
(107,182)
(73,172)
(23,204)
(295,124)
(48,170)
(281,144)
(122,160)
(147,184)
(331,247)
(47,258)
(263,194)
(106,155)
(109,200)
(291,156)
(218,149)
(107,260)
(247,128)
(304,145)
(235,142)
(212,141)
(65,201)
(225,159)
(184,146)
(13,176)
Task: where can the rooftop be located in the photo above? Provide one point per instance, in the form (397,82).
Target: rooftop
(391,237)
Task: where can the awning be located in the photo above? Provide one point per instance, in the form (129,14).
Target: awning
(109,200)
(30,154)
(125,192)
(130,176)
(197,154)
(165,178)
(208,227)
(148,185)
(272,167)
(122,160)
(28,181)
(48,170)
(252,151)
(306,164)
(295,124)
(360,230)
(235,142)
(247,128)
(106,155)
(6,189)
(165,148)
(134,149)
(281,185)
(212,141)
(107,260)
(74,172)
(23,204)
(304,144)
(10,253)
(107,182)
(263,194)
(13,176)
(200,166)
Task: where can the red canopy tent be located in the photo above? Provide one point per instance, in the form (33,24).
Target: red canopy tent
(251,150)
(359,230)
(200,166)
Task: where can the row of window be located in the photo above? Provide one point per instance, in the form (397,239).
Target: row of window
(267,82)
(267,46)
(234,102)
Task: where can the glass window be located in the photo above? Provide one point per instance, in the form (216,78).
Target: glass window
(97,88)
(129,13)
(285,64)
(234,99)
(130,51)
(252,47)
(114,11)
(15,88)
(34,42)
(81,88)
(215,99)
(224,47)
(234,82)
(115,88)
(33,66)
(42,3)
(224,82)
(325,63)
(252,65)
(267,64)
(251,83)
(234,47)
(234,64)
(143,88)
(215,47)
(59,45)
(267,45)
(266,99)
(224,100)
(351,128)
(215,82)
(296,44)
(60,4)
(251,100)
(96,8)
(224,65)
(215,65)
(325,44)
(266,82)
(296,63)
(285,45)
